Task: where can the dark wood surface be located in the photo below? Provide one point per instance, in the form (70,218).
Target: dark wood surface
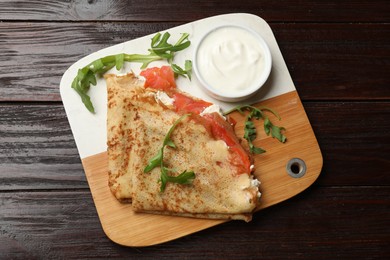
(338,54)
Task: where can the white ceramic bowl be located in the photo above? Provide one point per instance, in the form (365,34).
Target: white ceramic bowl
(252,86)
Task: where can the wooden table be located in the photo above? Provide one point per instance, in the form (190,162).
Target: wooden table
(338,54)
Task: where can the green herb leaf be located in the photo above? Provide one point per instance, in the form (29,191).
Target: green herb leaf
(256,112)
(171,144)
(160,50)
(155,161)
(275,131)
(186,72)
(163,178)
(257,150)
(119,60)
(80,87)
(250,132)
(144,59)
(156,38)
(96,66)
(89,79)
(183,39)
(188,68)
(185,177)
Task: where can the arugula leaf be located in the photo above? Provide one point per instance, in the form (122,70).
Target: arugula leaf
(155,161)
(185,177)
(160,49)
(250,135)
(274,130)
(250,132)
(186,72)
(119,60)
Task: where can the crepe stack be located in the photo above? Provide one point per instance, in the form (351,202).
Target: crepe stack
(138,120)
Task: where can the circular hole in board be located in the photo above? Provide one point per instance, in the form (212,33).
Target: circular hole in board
(296,168)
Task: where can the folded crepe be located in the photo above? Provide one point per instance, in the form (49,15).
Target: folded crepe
(138,120)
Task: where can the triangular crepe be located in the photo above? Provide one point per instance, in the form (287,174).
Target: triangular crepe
(138,119)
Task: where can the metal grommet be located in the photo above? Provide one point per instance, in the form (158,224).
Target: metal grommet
(296,168)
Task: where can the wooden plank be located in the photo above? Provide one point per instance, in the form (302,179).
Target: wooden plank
(354,138)
(326,61)
(337,61)
(37,149)
(351,223)
(40,53)
(130,10)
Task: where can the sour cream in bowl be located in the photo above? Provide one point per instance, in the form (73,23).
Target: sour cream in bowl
(232,62)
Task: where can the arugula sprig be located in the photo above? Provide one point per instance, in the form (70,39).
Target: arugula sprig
(185,177)
(250,132)
(183,72)
(160,50)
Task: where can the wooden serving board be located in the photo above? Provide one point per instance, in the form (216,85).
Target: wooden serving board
(125,227)
(118,220)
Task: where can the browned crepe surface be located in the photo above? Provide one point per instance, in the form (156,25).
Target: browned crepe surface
(136,126)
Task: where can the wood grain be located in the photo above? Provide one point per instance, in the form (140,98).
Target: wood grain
(337,62)
(39,53)
(355,138)
(37,149)
(154,10)
(347,221)
(50,49)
